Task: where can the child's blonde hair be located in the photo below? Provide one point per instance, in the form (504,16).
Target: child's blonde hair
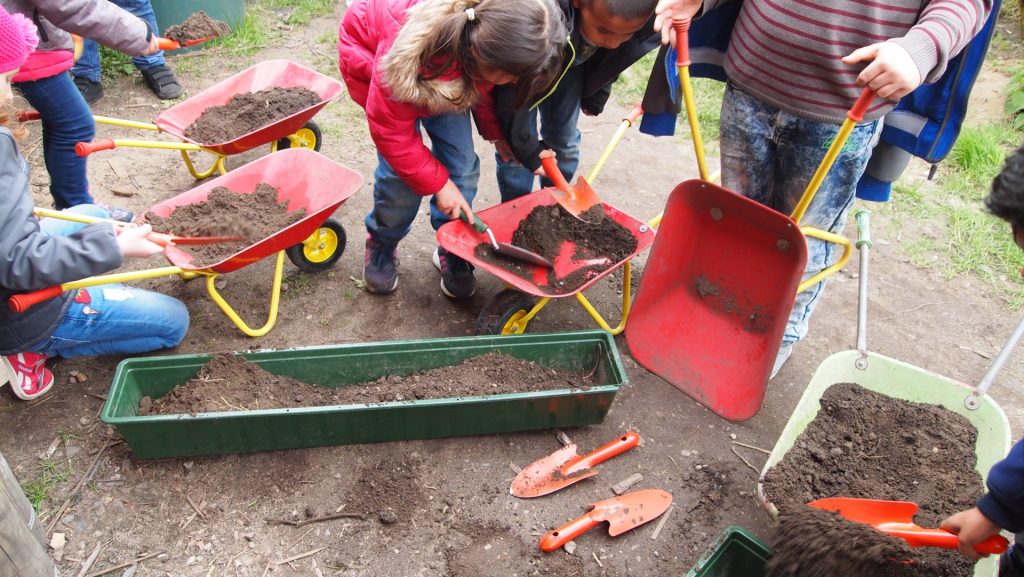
(524,38)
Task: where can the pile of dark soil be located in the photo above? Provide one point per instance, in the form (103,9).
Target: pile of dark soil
(253,217)
(809,542)
(197,27)
(228,382)
(866,445)
(389,489)
(596,239)
(246,112)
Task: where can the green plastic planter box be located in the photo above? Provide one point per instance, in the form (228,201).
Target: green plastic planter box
(159,436)
(737,553)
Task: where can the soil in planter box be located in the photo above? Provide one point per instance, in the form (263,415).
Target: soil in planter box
(546,229)
(866,445)
(253,217)
(228,382)
(248,111)
(197,26)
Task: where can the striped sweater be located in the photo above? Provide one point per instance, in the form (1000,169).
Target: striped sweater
(787,52)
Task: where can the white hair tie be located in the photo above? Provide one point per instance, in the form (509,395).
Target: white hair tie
(470,14)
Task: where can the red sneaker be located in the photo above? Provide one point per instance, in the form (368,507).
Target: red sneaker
(29,376)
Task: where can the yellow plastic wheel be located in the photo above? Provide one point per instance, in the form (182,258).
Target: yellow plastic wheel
(505,313)
(309,136)
(321,250)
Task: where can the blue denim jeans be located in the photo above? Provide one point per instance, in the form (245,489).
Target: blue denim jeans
(559,114)
(66,121)
(770,155)
(112,319)
(395,204)
(88,65)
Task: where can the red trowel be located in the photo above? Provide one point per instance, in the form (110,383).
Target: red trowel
(564,467)
(623,513)
(896,518)
(575,199)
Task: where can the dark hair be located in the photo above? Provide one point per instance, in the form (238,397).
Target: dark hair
(627,9)
(1006,200)
(524,38)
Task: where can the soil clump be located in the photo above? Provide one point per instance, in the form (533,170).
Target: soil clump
(807,543)
(866,445)
(253,217)
(247,112)
(197,26)
(597,243)
(229,382)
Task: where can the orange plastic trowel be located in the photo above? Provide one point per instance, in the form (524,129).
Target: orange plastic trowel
(564,467)
(896,518)
(623,513)
(575,199)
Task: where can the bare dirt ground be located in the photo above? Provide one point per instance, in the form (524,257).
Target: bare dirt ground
(441,507)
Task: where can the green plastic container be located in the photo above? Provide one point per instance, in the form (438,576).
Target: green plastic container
(899,380)
(172,12)
(161,436)
(737,553)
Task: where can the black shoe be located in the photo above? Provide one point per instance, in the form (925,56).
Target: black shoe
(457,279)
(91,91)
(162,82)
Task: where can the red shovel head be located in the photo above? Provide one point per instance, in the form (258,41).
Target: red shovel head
(631,510)
(546,475)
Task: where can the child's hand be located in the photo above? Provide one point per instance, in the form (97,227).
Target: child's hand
(973,527)
(450,201)
(154,46)
(892,73)
(134,244)
(504,150)
(667,10)
(548,153)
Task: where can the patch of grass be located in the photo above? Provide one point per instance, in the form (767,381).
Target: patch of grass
(300,12)
(980,150)
(922,252)
(1014,105)
(114,63)
(51,473)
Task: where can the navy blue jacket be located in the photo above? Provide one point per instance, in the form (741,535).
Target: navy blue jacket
(1004,503)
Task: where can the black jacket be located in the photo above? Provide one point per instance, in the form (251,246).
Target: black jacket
(594,83)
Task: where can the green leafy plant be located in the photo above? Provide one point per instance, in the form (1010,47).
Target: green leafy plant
(1014,105)
(51,473)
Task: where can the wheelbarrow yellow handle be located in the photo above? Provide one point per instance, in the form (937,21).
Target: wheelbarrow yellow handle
(84,149)
(635,113)
(853,117)
(20,303)
(682,28)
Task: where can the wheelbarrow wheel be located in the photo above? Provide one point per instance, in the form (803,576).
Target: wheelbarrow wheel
(321,250)
(309,135)
(504,314)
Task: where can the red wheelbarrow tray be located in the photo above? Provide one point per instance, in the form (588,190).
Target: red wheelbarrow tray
(306,179)
(268,74)
(462,239)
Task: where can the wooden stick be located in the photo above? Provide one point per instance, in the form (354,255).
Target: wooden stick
(92,559)
(296,542)
(135,561)
(765,451)
(745,461)
(305,522)
(301,556)
(195,507)
(664,518)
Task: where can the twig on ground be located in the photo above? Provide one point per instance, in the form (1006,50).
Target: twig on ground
(305,522)
(296,542)
(754,447)
(35,404)
(78,487)
(92,559)
(196,508)
(745,461)
(134,561)
(515,468)
(301,556)
(661,523)
(599,563)
(100,397)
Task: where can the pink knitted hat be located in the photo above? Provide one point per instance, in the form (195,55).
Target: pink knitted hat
(17,40)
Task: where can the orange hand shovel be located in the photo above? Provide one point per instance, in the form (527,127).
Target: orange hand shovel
(564,467)
(575,199)
(623,513)
(169,44)
(896,518)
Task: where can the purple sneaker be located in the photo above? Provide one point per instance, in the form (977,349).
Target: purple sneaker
(380,271)
(457,280)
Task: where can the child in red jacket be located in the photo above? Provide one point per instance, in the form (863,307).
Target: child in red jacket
(427,64)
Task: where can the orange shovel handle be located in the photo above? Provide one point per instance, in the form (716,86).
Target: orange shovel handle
(550,165)
(562,535)
(20,303)
(682,28)
(167,44)
(84,149)
(605,452)
(994,545)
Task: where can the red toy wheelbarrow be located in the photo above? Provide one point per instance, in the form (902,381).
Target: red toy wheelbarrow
(534,286)
(294,131)
(305,179)
(722,278)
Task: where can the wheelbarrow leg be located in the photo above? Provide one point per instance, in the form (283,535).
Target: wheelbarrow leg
(275,299)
